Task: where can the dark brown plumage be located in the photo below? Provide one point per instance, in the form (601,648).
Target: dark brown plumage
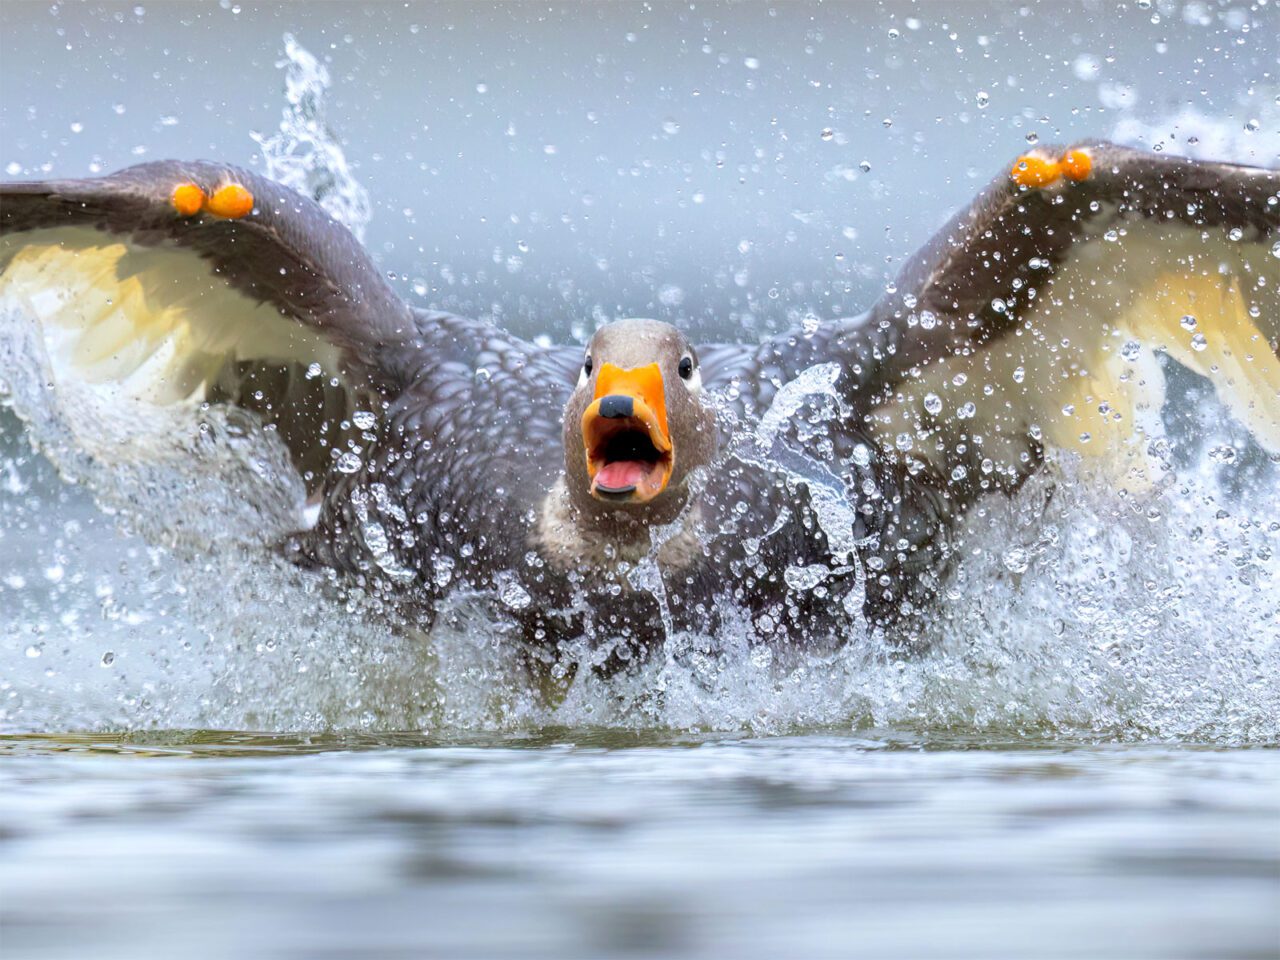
(477,459)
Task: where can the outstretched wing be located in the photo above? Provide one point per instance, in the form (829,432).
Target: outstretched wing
(148,294)
(1032,318)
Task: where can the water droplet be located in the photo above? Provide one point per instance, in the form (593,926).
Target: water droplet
(1253,126)
(1033,137)
(671,295)
(443,572)
(933,403)
(865,166)
(1086,66)
(34,651)
(313,371)
(1016,560)
(861,455)
(1019,374)
(805,578)
(670,127)
(894,33)
(1130,351)
(998,305)
(904,441)
(108,658)
(1235,233)
(1225,453)
(349,463)
(1198,342)
(513,595)
(827,133)
(1188,322)
(982,99)
(751,63)
(364,420)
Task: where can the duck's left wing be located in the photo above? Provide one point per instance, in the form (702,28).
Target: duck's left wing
(137,301)
(191,340)
(1032,318)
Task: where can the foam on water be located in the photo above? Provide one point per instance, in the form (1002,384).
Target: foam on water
(1075,610)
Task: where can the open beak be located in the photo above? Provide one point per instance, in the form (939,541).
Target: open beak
(624,432)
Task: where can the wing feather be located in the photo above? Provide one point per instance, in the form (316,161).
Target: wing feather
(125,306)
(1033,319)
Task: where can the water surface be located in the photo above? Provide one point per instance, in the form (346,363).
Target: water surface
(582,843)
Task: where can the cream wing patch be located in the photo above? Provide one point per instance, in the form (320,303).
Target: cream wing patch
(1079,372)
(133,340)
(153,323)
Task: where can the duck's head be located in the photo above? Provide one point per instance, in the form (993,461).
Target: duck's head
(636,426)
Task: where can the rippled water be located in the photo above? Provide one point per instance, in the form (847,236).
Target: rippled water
(579,843)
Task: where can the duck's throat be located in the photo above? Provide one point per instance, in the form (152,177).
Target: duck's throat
(594,536)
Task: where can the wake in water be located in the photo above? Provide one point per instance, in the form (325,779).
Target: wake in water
(1074,610)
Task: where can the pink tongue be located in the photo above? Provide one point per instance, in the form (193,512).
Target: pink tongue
(621,474)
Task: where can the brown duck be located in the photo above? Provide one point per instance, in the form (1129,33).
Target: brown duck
(637,485)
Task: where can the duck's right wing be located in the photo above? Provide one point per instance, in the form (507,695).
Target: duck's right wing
(135,307)
(1031,320)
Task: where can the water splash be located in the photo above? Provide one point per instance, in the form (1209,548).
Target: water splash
(1189,132)
(305,154)
(1075,611)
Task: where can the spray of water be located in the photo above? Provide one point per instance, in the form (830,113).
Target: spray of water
(305,153)
(1189,132)
(1075,611)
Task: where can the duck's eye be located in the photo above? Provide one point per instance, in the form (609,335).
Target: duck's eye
(686,368)
(586,366)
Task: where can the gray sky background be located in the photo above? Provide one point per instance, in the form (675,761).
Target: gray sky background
(544,163)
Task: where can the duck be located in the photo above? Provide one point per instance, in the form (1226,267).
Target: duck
(815,481)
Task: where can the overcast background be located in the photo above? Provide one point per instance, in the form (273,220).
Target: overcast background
(552,166)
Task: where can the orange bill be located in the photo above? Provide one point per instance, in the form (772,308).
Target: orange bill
(624,432)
